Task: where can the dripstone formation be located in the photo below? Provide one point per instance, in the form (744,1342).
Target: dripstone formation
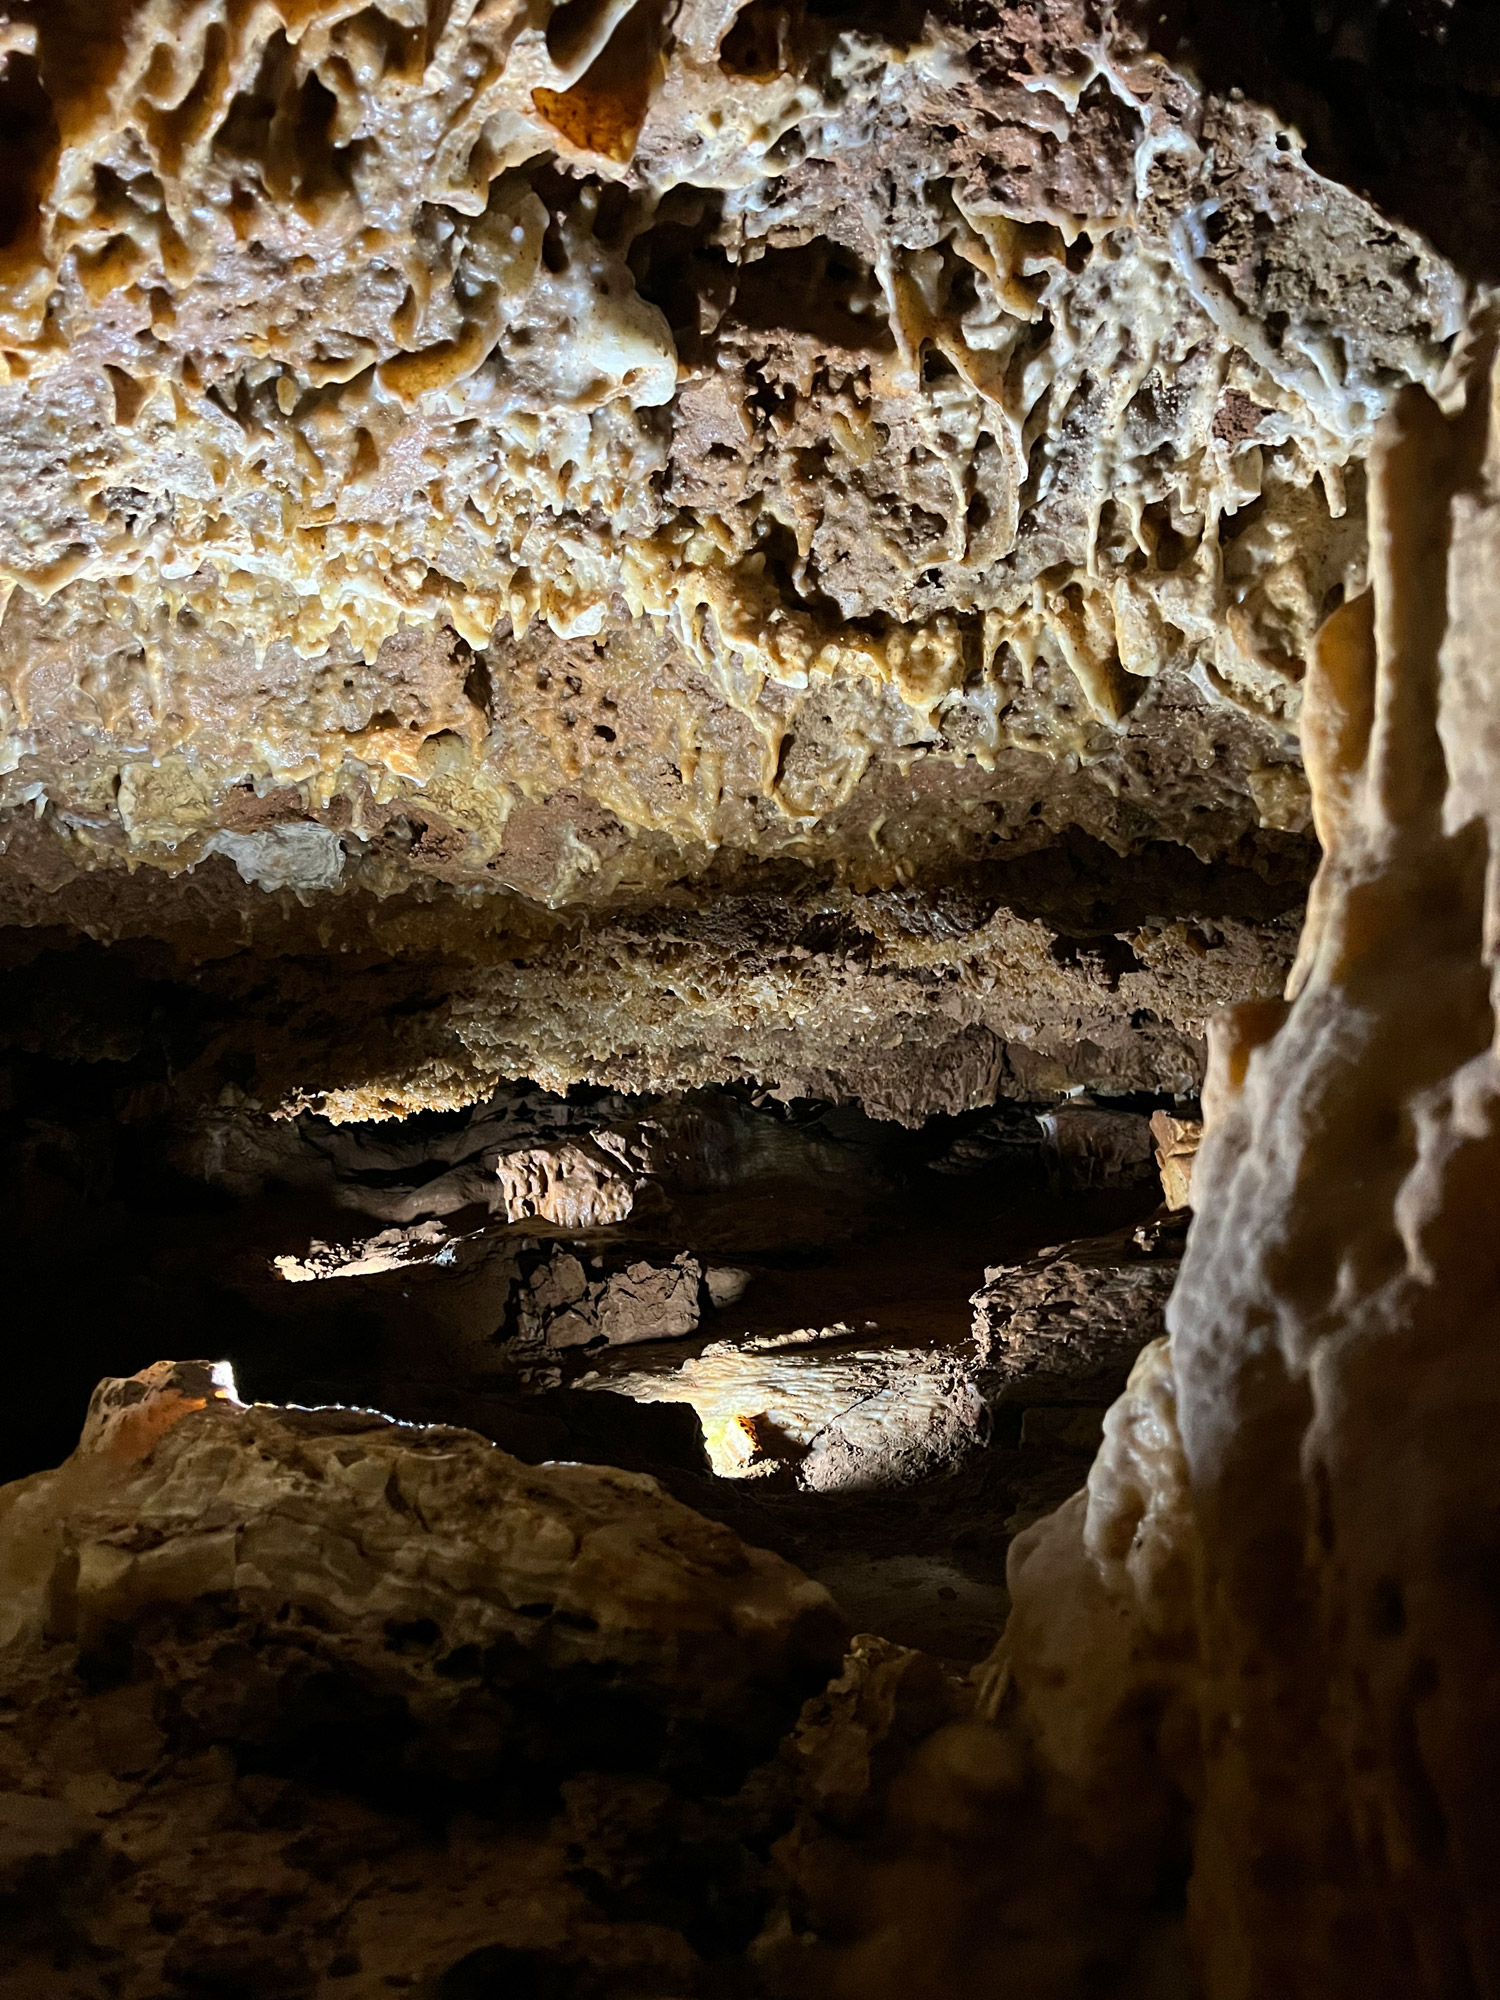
(667,548)
(684,690)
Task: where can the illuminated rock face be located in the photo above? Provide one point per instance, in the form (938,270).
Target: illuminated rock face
(1275,1599)
(461,463)
(1334,1334)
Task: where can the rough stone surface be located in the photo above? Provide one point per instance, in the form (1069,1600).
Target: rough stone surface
(253,1658)
(269,1733)
(1086,1147)
(1067,1325)
(841,1410)
(1063,970)
(483,1569)
(1334,1335)
(568,1307)
(643,548)
(489,490)
(1270,1609)
(1176,1143)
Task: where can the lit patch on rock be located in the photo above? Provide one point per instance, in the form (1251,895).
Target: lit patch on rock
(829,1404)
(283,857)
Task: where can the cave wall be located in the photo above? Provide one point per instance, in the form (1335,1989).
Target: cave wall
(857,558)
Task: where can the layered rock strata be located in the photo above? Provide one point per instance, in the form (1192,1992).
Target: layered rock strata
(913,1004)
(1066,1326)
(641,548)
(850,1409)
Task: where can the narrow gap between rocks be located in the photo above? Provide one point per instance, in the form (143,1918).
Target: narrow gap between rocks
(778,1310)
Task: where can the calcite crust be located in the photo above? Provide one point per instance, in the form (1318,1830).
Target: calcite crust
(546,457)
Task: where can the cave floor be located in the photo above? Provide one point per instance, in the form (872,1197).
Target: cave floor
(121,1262)
(922,1563)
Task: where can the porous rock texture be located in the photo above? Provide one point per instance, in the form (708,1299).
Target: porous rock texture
(644,548)
(1067,1325)
(1258,1653)
(303,1702)
(241,1644)
(655,545)
(1338,1353)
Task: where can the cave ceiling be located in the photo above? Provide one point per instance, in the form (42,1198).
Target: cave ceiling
(650,546)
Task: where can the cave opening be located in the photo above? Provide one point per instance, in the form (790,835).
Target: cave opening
(777,1308)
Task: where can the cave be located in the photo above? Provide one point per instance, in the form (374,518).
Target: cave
(748,1073)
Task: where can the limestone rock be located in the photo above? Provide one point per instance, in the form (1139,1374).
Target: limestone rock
(252,1660)
(1268,1609)
(1010,1137)
(1101,1627)
(1177,1143)
(576,1187)
(1014,1831)
(566,1307)
(368,1256)
(638,547)
(845,1409)
(1067,1325)
(727,1284)
(1334,1332)
(1084,1146)
(729,464)
(522,1156)
(42,1843)
(838,1409)
(933,1854)
(417,1567)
